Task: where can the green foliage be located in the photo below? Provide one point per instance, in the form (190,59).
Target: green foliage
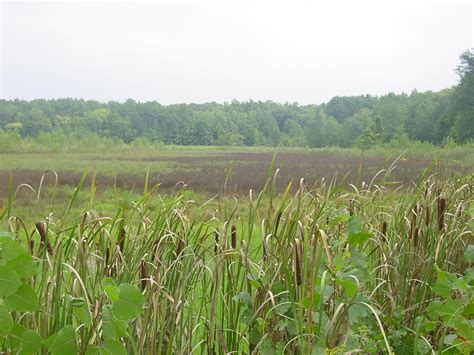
(317,270)
(428,117)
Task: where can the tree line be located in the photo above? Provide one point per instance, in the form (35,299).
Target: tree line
(434,117)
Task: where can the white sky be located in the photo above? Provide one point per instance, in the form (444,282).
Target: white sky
(200,51)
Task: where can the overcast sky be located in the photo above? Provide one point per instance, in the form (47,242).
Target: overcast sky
(200,51)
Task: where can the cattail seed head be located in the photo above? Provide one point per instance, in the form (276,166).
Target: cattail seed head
(41,228)
(143,274)
(277,222)
(179,247)
(415,237)
(50,248)
(121,244)
(233,236)
(107,256)
(441,212)
(31,246)
(384,230)
(298,266)
(350,207)
(216,242)
(156,243)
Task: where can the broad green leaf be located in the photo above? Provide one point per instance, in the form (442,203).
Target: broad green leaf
(445,282)
(24,265)
(355,224)
(113,347)
(63,342)
(358,238)
(23,300)
(9,281)
(7,235)
(31,342)
(243,297)
(10,249)
(314,303)
(113,328)
(112,292)
(93,350)
(469,253)
(130,303)
(82,313)
(15,337)
(6,321)
(349,286)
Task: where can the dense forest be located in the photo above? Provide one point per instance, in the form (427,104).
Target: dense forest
(435,117)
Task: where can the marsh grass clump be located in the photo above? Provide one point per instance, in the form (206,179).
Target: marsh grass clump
(317,268)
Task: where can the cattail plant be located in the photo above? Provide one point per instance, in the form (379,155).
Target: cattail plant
(216,242)
(143,274)
(233,237)
(107,258)
(41,228)
(121,243)
(298,261)
(179,247)
(441,212)
(414,214)
(156,243)
(351,207)
(415,237)
(31,246)
(384,230)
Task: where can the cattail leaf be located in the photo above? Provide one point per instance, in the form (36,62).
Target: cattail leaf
(129,304)
(6,321)
(9,281)
(23,300)
(24,265)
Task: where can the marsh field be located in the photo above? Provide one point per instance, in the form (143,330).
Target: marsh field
(228,250)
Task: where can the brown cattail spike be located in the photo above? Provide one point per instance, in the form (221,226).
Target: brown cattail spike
(298,266)
(351,207)
(143,274)
(233,236)
(179,247)
(441,212)
(121,244)
(216,242)
(41,228)
(384,230)
(107,256)
(31,245)
(156,243)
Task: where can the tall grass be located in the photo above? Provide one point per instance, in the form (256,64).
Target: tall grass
(330,268)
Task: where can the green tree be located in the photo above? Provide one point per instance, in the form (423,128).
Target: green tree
(463,99)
